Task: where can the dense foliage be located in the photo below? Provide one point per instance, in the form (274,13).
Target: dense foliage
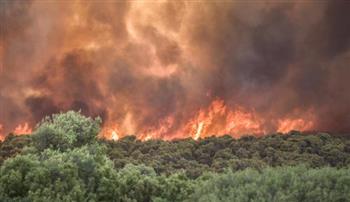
(64,161)
(276,184)
(64,131)
(217,153)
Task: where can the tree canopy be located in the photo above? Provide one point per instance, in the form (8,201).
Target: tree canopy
(65,130)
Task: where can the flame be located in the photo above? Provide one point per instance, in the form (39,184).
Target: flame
(110,132)
(1,131)
(199,131)
(23,129)
(148,137)
(115,136)
(158,132)
(219,120)
(216,119)
(287,125)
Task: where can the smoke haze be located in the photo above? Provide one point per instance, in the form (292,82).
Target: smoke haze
(177,68)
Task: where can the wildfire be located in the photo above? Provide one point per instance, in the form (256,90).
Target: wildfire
(216,119)
(22,129)
(110,132)
(199,131)
(158,132)
(287,125)
(1,131)
(114,136)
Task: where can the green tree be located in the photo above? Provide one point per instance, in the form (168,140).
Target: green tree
(66,130)
(79,174)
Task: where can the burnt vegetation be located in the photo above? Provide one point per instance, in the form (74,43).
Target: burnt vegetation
(63,160)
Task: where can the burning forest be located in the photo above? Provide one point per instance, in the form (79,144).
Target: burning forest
(177,69)
(174,101)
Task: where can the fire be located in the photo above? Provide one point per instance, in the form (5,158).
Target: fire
(172,69)
(110,132)
(1,131)
(218,119)
(199,131)
(23,129)
(158,132)
(115,136)
(148,137)
(287,125)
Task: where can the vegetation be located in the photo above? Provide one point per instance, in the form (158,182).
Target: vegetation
(66,131)
(64,161)
(217,153)
(276,184)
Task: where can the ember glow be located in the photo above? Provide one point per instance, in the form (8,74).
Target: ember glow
(176,69)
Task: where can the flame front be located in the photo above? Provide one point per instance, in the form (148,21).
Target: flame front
(217,119)
(23,129)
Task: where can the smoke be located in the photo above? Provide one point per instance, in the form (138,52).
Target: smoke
(154,67)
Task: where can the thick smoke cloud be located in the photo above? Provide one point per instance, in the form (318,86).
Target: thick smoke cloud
(142,65)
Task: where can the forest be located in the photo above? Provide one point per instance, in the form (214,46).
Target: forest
(65,160)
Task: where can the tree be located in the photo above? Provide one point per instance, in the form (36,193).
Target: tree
(66,130)
(79,174)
